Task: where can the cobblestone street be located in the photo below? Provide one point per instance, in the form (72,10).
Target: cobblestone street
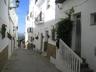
(27,61)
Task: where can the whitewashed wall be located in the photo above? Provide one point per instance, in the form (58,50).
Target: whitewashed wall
(29,23)
(88,32)
(49,21)
(3,20)
(13,23)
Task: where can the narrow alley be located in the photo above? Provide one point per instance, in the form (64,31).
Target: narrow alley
(47,35)
(27,61)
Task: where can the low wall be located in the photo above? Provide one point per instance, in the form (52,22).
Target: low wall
(51,51)
(3,57)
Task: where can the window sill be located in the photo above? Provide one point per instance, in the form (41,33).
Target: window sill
(39,22)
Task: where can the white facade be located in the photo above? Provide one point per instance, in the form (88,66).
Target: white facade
(88,31)
(28,29)
(48,19)
(27,34)
(9,18)
(13,29)
(3,20)
(51,15)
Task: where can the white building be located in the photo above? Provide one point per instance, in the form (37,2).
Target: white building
(46,14)
(40,20)
(29,24)
(28,31)
(8,19)
(13,26)
(85,13)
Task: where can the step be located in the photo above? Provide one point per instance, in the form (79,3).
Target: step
(84,65)
(86,70)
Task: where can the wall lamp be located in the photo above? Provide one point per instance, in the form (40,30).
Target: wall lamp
(17,4)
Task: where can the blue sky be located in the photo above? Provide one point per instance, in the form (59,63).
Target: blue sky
(22,11)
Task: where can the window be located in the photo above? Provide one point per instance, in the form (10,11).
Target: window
(36,1)
(30,29)
(27,17)
(5,2)
(40,16)
(31,14)
(93,19)
(31,39)
(53,33)
(48,4)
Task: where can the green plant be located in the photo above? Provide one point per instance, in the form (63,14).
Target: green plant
(3,30)
(9,36)
(70,12)
(36,37)
(64,28)
(48,35)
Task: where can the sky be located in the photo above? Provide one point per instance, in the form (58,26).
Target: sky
(22,12)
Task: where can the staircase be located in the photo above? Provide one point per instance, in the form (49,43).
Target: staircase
(84,66)
(72,62)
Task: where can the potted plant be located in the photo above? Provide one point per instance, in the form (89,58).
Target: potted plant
(3,30)
(9,36)
(37,37)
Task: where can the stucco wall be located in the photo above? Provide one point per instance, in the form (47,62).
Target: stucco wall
(49,21)
(88,32)
(3,20)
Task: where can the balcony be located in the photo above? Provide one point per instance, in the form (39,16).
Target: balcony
(39,2)
(59,1)
(39,19)
(39,22)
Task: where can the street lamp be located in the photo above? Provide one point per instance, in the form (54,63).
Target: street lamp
(17,4)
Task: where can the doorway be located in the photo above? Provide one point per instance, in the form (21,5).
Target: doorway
(46,41)
(41,45)
(77,33)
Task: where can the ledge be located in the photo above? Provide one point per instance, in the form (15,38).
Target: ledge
(39,22)
(59,1)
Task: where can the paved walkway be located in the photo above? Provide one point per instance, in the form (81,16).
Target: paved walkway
(27,61)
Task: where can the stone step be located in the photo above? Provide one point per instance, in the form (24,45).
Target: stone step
(86,70)
(84,65)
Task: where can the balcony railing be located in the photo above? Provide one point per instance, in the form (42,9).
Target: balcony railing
(72,61)
(39,2)
(39,22)
(39,19)
(59,1)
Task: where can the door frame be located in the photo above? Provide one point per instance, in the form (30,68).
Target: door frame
(76,33)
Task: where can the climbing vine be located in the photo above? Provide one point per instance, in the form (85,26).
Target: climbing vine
(64,28)
(3,30)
